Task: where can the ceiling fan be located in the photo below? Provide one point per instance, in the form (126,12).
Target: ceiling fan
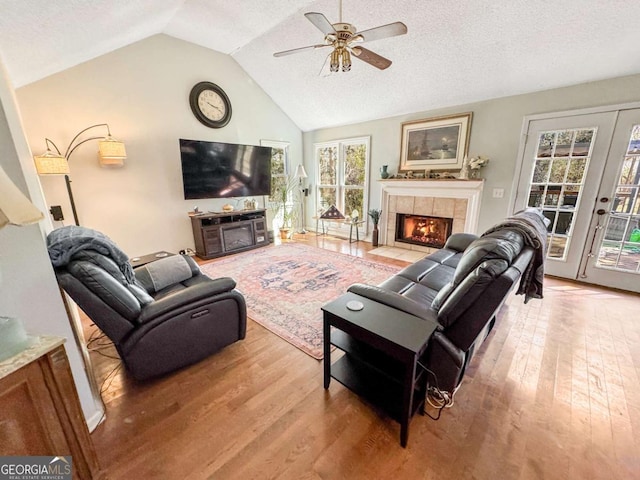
(345,41)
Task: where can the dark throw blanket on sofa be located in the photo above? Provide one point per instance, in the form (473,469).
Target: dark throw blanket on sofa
(531,224)
(63,243)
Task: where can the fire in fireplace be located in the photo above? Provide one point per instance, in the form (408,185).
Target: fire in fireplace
(423,230)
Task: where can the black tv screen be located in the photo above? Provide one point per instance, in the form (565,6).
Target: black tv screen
(221,170)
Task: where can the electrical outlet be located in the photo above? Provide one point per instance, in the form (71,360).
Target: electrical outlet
(56,212)
(498,192)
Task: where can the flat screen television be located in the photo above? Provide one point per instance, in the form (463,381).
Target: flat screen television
(222,170)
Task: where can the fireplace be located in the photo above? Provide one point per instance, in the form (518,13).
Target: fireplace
(235,237)
(423,230)
(456,199)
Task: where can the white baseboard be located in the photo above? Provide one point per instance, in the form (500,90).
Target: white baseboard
(96,419)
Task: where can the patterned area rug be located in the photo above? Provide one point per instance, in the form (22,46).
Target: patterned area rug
(286,285)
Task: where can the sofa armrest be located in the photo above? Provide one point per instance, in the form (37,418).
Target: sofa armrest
(185,297)
(394,300)
(459,241)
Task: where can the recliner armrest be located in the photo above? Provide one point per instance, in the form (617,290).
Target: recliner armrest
(186,296)
(394,300)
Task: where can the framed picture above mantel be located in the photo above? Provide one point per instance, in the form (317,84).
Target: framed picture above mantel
(439,143)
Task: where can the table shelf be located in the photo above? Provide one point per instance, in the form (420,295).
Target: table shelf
(382,349)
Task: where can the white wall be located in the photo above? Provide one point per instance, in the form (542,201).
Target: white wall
(495,132)
(142,92)
(28,288)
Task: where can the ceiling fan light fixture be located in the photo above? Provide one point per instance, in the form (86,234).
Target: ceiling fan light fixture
(346,60)
(334,64)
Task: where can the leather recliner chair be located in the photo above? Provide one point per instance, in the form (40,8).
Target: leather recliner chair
(167,317)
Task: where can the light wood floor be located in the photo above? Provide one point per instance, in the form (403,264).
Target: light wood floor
(553,394)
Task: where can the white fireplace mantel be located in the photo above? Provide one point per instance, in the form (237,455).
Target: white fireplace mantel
(471,190)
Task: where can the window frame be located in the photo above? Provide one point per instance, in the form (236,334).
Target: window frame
(340,186)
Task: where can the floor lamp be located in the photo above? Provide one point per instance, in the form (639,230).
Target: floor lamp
(111,153)
(300,174)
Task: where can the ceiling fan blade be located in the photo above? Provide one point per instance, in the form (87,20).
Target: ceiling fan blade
(371,58)
(384,31)
(297,50)
(321,22)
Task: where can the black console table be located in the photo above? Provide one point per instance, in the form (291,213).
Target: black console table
(382,348)
(217,234)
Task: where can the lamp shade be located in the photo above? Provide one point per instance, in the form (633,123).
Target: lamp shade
(111,152)
(300,172)
(15,207)
(50,163)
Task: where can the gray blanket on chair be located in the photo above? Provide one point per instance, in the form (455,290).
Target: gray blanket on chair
(532,225)
(63,243)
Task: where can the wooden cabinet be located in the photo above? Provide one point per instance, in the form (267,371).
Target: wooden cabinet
(40,411)
(218,234)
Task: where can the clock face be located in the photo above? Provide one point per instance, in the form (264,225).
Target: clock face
(210,104)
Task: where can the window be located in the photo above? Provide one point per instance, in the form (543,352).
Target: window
(561,164)
(279,167)
(342,171)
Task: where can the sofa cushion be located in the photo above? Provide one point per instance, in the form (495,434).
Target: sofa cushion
(468,291)
(106,287)
(110,266)
(500,245)
(163,273)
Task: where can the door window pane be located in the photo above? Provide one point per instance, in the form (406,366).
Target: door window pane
(552,197)
(545,145)
(576,170)
(563,225)
(536,195)
(570,194)
(582,145)
(557,247)
(563,143)
(558,169)
(541,171)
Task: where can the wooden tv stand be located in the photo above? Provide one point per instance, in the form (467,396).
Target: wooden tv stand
(218,234)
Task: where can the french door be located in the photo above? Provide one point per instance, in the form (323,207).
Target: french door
(579,169)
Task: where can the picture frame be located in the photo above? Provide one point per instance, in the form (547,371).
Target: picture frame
(438,143)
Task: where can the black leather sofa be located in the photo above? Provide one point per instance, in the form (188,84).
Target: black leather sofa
(462,287)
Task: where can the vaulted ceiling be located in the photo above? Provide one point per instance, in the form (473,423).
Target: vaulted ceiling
(453,53)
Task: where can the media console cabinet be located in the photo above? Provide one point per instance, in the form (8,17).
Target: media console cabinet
(219,234)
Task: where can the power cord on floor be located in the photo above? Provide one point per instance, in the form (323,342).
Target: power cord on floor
(435,397)
(98,342)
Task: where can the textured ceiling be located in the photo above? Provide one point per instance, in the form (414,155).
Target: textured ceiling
(454,53)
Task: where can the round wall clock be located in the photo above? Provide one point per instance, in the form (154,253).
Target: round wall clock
(210,104)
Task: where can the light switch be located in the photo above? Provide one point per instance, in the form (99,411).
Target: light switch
(498,192)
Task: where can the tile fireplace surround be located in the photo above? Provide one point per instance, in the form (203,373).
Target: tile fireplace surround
(457,199)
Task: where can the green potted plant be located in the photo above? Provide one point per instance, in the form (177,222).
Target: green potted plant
(375,214)
(283,204)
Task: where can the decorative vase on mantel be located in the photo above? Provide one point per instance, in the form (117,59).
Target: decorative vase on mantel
(384,173)
(474,173)
(464,171)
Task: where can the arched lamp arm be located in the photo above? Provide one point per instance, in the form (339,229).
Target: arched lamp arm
(72,147)
(49,142)
(71,150)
